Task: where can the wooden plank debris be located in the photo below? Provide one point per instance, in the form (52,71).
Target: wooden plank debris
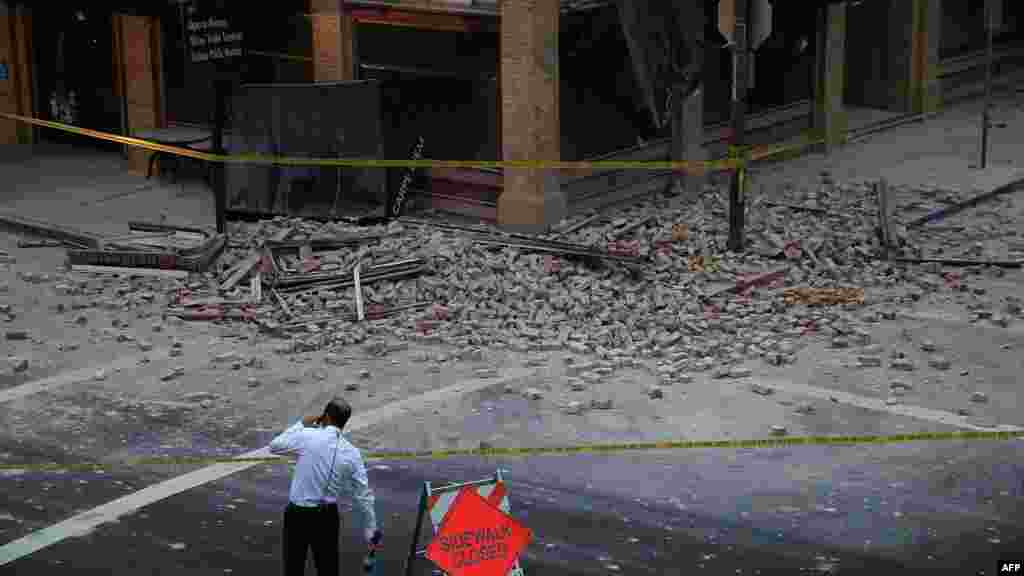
(241,271)
(358,291)
(885,219)
(628,228)
(579,225)
(128,271)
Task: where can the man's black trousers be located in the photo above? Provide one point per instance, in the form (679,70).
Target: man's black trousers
(306,528)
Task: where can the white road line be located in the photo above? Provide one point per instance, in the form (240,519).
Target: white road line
(191,351)
(879,405)
(82,524)
(65,378)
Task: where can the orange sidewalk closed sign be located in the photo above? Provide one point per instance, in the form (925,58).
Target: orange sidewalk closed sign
(477,539)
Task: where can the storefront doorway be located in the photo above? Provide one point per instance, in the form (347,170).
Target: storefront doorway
(75,74)
(877,69)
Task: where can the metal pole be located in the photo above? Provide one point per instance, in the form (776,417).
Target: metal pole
(219,189)
(420,513)
(986,115)
(740,71)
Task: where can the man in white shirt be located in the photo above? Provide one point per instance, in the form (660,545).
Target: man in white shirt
(328,466)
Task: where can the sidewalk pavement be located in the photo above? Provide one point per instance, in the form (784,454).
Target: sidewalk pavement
(92,191)
(939,152)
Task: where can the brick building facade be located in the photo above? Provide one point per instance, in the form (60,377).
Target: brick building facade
(529,79)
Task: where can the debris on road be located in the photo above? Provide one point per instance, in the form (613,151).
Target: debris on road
(43,243)
(17,364)
(39,228)
(129,271)
(824,296)
(155,246)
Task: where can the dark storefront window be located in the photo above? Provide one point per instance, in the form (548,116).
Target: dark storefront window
(437,84)
(963,26)
(74,71)
(279,46)
(784,63)
(602,109)
(717,73)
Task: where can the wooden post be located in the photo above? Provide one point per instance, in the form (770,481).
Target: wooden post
(333,47)
(16,90)
(924,82)
(531,198)
(141,80)
(830,76)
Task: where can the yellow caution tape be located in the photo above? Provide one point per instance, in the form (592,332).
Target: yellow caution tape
(557,450)
(682,166)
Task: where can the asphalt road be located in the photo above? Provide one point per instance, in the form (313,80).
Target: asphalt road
(936,508)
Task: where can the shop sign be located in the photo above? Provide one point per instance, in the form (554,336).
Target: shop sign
(211,33)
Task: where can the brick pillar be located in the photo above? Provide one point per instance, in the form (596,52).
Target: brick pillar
(830,76)
(140,45)
(16,59)
(332,41)
(531,198)
(924,91)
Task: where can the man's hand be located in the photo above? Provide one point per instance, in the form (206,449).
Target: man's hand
(310,421)
(374,539)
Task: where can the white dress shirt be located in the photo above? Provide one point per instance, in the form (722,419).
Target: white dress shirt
(317,448)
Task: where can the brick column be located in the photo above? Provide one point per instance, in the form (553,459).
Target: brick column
(16,59)
(140,58)
(530,199)
(332,41)
(924,90)
(830,76)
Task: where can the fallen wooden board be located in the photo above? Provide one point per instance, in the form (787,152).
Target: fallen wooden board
(358,290)
(256,288)
(241,270)
(969,203)
(280,302)
(743,284)
(42,243)
(885,217)
(578,225)
(961,262)
(158,260)
(48,230)
(282,235)
(805,208)
(323,243)
(625,230)
(126,271)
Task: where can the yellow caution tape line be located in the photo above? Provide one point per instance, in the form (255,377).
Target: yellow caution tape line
(688,166)
(562,450)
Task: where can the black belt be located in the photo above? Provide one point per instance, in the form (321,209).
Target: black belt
(325,505)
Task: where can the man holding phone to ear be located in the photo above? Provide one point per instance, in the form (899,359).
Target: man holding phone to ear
(328,466)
